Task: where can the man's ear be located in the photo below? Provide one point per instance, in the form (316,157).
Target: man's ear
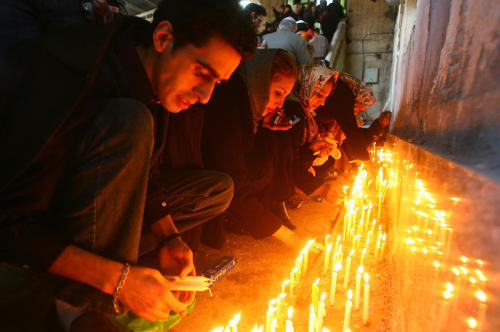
(163,39)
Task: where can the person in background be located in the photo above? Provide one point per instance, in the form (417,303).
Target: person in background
(244,136)
(257,14)
(330,18)
(94,101)
(289,13)
(320,45)
(286,38)
(298,9)
(314,84)
(311,14)
(350,98)
(279,14)
(380,126)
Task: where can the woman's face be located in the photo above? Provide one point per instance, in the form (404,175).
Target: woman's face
(319,99)
(281,86)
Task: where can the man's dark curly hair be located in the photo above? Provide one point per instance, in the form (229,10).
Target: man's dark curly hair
(196,21)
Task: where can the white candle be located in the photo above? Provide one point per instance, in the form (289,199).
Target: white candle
(357,293)
(289,323)
(292,280)
(382,248)
(315,293)
(348,307)
(333,285)
(363,254)
(284,284)
(274,323)
(312,320)
(327,259)
(233,323)
(366,300)
(327,240)
(321,312)
(269,317)
(348,269)
(481,296)
(337,243)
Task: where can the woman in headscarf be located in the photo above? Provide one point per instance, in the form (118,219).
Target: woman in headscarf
(344,107)
(244,138)
(314,84)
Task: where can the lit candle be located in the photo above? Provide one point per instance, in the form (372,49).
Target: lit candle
(289,323)
(337,243)
(327,240)
(321,312)
(368,216)
(233,323)
(366,299)
(293,280)
(363,254)
(327,259)
(443,316)
(481,296)
(340,255)
(348,307)
(348,269)
(312,320)
(218,329)
(299,264)
(284,284)
(382,248)
(281,303)
(333,285)
(274,323)
(257,328)
(315,293)
(269,317)
(359,273)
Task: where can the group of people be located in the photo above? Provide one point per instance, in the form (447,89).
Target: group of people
(123,141)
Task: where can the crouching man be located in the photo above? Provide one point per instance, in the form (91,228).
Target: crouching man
(84,115)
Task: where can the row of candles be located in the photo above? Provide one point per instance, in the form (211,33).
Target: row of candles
(362,241)
(427,242)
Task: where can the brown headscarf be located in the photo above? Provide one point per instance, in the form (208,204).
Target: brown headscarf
(311,79)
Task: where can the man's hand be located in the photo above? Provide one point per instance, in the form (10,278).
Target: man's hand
(147,293)
(175,258)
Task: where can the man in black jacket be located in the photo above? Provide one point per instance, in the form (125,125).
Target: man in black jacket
(83,122)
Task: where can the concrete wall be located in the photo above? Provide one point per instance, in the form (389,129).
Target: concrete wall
(370,34)
(446,77)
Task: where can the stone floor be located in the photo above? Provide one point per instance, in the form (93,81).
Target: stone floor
(261,267)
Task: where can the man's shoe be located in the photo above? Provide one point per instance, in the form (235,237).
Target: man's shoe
(279,209)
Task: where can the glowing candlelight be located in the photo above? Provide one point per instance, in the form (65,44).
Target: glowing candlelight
(312,320)
(481,296)
(327,240)
(315,293)
(348,307)
(327,259)
(321,312)
(293,280)
(257,328)
(289,323)
(347,269)
(366,299)
(382,248)
(357,293)
(337,243)
(333,285)
(472,323)
(218,329)
(284,285)
(274,325)
(233,323)
(269,316)
(363,254)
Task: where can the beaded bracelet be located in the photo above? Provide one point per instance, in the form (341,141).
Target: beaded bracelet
(119,286)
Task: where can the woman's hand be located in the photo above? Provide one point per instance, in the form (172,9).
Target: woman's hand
(267,122)
(321,148)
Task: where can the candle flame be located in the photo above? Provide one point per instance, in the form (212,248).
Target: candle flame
(447,294)
(463,259)
(481,296)
(337,266)
(480,262)
(472,323)
(472,280)
(316,282)
(349,294)
(364,250)
(450,287)
(326,330)
(360,269)
(436,264)
(352,252)
(464,270)
(282,296)
(311,309)
(323,296)
(290,312)
(286,282)
(218,329)
(235,320)
(257,329)
(367,278)
(424,250)
(456,271)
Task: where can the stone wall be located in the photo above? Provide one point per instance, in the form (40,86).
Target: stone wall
(370,34)
(446,75)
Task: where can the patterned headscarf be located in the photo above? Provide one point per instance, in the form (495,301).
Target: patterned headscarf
(310,80)
(363,94)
